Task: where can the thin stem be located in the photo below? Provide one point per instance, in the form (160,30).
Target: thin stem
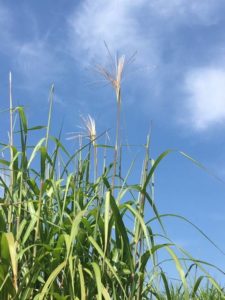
(117,142)
(37,230)
(49,115)
(11,147)
(95,162)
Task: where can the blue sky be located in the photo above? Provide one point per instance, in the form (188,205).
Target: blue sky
(177,82)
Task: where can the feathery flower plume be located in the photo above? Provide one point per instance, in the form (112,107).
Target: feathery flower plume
(90,127)
(88,130)
(114,78)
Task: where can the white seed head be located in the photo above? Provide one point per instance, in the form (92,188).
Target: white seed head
(115,77)
(90,127)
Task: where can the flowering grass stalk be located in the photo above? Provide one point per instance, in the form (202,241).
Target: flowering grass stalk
(115,79)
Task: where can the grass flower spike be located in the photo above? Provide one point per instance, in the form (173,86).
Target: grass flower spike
(90,127)
(114,77)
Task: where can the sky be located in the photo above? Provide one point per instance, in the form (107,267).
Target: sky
(175,81)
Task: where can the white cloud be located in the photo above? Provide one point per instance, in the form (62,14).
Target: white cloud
(127,26)
(114,22)
(205,89)
(148,26)
(132,25)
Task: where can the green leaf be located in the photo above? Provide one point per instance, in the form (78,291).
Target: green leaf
(50,280)
(5,248)
(196,286)
(98,280)
(5,162)
(166,285)
(13,255)
(43,160)
(96,246)
(82,282)
(34,152)
(155,165)
(22,118)
(36,128)
(106,223)
(180,271)
(122,230)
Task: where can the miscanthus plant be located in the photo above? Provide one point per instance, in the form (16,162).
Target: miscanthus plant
(71,226)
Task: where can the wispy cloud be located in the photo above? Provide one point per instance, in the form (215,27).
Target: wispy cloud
(36,62)
(136,25)
(205,88)
(6,27)
(34,59)
(115,22)
(155,29)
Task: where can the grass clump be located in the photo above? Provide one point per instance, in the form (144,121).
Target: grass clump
(68,232)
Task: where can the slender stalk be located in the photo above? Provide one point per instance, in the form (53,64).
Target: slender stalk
(37,229)
(104,154)
(11,125)
(104,163)
(21,189)
(139,245)
(115,81)
(51,94)
(95,161)
(40,200)
(117,142)
(117,86)
(10,214)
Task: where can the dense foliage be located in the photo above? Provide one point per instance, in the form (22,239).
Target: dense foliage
(71,227)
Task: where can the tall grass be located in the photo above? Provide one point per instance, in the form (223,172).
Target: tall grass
(72,233)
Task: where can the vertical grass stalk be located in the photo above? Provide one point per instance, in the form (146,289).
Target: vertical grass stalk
(10,213)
